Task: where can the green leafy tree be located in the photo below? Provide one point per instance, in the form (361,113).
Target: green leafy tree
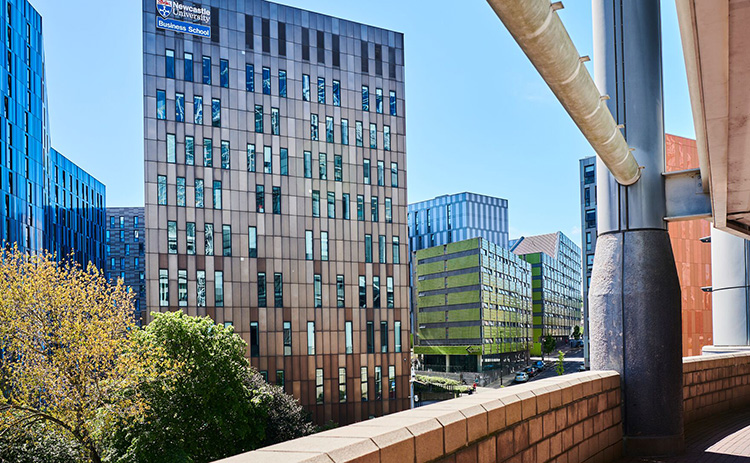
(560,368)
(576,332)
(40,442)
(548,345)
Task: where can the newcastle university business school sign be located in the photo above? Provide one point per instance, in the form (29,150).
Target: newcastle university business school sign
(177,17)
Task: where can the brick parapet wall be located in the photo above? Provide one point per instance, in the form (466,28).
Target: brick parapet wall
(714,383)
(573,418)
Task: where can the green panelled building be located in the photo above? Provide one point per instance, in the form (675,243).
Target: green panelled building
(473,306)
(556,285)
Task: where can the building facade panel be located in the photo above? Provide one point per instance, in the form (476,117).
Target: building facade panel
(125,246)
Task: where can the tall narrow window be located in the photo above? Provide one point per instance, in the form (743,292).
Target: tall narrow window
(198,110)
(250,157)
(314,127)
(226,240)
(254,339)
(208,152)
(363,384)
(266,81)
(360,208)
(381,173)
(387,137)
(388,210)
(370,333)
(336,48)
(181,191)
(276,199)
(308,164)
(368,248)
(379,100)
(207,70)
(275,122)
(316,203)
(305,44)
(219,288)
(189,150)
(217,194)
(397,336)
(383,337)
(331,205)
(282,38)
(179,107)
(161,104)
(362,292)
(224,154)
(317,291)
(373,136)
(345,205)
(319,394)
(324,245)
(224,73)
(393,103)
(208,239)
(169,64)
(260,199)
(348,337)
(344,131)
(172,237)
(267,162)
(394,174)
(375,292)
(278,290)
(199,192)
(378,59)
(188,67)
(342,384)
(375,208)
(163,287)
(358,133)
(389,292)
(287,338)
(182,295)
(329,129)
(391,382)
(449,216)
(378,383)
(323,166)
(321,46)
(381,249)
(190,238)
(366,171)
(365,98)
(262,298)
(282,83)
(305,87)
(265,27)
(308,245)
(392,62)
(321,90)
(396,250)
(259,118)
(252,241)
(200,284)
(364,57)
(336,93)
(249,77)
(340,292)
(310,338)
(216,112)
(161,182)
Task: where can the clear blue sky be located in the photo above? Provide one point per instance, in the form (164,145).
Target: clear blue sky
(479,117)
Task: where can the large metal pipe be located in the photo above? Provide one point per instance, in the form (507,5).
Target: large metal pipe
(542,36)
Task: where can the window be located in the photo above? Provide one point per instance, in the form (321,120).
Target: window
(342,384)
(250,158)
(317,291)
(587,197)
(387,137)
(308,245)
(266,81)
(329,129)
(429,221)
(363,383)
(378,384)
(364,58)
(260,199)
(179,107)
(589,174)
(370,332)
(163,287)
(224,154)
(224,73)
(381,249)
(266,35)
(254,339)
(226,240)
(181,191)
(383,337)
(282,83)
(321,90)
(172,237)
(360,208)
(259,118)
(358,133)
(591,219)
(188,67)
(345,205)
(318,383)
(198,192)
(381,173)
(368,248)
(262,298)
(374,208)
(379,100)
(588,241)
(365,98)
(348,337)
(169,64)
(394,174)
(376,292)
(310,338)
(249,78)
(275,126)
(336,93)
(396,250)
(321,46)
(331,205)
(189,150)
(278,290)
(373,136)
(340,291)
(200,277)
(389,292)
(198,109)
(344,131)
(388,210)
(161,104)
(208,152)
(305,87)
(316,203)
(217,194)
(267,162)
(161,182)
(397,336)
(378,59)
(366,171)
(287,338)
(308,164)
(313,127)
(362,292)
(252,242)
(324,245)
(449,216)
(276,199)
(336,48)
(190,238)
(337,167)
(216,112)
(209,239)
(393,103)
(219,288)
(323,166)
(280,378)
(207,70)
(391,382)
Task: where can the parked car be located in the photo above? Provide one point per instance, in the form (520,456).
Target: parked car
(531,371)
(576,342)
(521,377)
(582,367)
(539,365)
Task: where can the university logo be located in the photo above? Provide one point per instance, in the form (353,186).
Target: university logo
(164,7)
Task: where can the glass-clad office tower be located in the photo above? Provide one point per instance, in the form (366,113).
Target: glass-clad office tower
(276,193)
(126,251)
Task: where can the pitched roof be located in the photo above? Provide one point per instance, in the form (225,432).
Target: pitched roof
(547,244)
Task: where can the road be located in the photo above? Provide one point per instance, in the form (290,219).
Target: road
(573,360)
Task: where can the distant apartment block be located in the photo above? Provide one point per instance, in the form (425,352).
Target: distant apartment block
(555,285)
(126,253)
(473,306)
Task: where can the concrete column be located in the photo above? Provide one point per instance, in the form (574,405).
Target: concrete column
(634,298)
(730,280)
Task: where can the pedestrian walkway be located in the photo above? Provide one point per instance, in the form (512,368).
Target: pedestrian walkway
(721,439)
